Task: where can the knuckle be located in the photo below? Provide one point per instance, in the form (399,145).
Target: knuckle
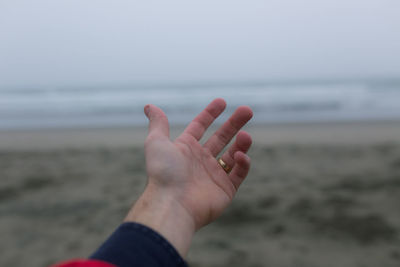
(224,137)
(149,139)
(234,126)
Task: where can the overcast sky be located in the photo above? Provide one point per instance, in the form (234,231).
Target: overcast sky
(58,42)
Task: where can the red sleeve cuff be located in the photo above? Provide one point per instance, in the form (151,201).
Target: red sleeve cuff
(84,263)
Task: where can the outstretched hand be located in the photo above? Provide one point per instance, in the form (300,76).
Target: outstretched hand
(184,176)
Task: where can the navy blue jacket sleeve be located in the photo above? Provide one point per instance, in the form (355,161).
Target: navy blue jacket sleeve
(134,244)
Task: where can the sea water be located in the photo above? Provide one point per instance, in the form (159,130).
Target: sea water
(272,102)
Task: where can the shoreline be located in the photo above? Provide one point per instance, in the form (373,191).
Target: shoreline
(354,132)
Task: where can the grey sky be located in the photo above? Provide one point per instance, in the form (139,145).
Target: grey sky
(91,41)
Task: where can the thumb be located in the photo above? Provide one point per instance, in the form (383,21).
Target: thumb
(158,121)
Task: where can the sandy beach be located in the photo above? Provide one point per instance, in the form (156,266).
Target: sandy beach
(318,194)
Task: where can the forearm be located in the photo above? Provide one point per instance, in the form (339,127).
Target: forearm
(161,212)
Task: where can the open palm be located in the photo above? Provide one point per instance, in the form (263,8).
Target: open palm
(188,170)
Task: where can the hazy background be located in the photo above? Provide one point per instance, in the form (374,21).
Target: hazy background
(76,42)
(97,63)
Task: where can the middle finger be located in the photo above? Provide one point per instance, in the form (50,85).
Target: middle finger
(228,130)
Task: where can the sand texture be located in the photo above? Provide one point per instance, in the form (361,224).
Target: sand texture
(303,204)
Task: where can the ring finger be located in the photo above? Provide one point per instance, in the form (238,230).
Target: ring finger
(242,143)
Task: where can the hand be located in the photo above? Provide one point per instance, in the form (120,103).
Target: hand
(184,176)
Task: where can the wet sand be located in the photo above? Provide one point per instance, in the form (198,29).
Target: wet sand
(317,195)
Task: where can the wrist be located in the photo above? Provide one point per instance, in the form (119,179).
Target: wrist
(163,213)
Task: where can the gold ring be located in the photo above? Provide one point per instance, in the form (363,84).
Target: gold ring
(224,166)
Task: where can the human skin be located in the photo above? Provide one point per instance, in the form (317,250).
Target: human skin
(186,187)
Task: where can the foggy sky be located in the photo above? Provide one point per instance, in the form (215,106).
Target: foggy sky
(93,41)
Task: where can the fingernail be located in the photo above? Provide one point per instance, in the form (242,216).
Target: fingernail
(146,110)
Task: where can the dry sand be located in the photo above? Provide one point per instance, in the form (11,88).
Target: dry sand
(317,195)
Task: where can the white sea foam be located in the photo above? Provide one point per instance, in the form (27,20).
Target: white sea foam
(123,105)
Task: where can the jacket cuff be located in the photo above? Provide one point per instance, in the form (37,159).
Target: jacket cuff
(134,244)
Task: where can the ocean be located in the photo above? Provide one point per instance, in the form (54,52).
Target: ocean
(272,102)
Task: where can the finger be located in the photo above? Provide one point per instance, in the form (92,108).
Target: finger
(158,121)
(227,131)
(242,143)
(240,169)
(202,121)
